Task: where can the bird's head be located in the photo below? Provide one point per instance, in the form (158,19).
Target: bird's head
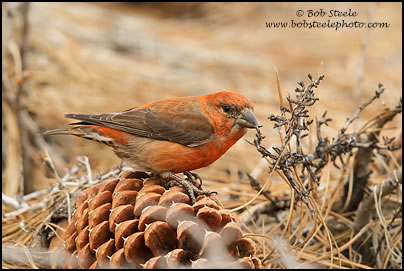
(233,107)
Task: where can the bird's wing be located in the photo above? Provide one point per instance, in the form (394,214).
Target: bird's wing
(190,128)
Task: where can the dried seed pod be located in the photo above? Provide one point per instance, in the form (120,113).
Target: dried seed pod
(151,214)
(72,261)
(155,188)
(104,252)
(153,181)
(118,259)
(57,241)
(160,238)
(82,238)
(170,197)
(127,174)
(100,199)
(94,265)
(71,228)
(105,227)
(212,246)
(179,212)
(190,236)
(99,235)
(93,190)
(82,222)
(88,193)
(120,214)
(179,258)
(135,249)
(79,211)
(86,257)
(123,230)
(231,233)
(144,200)
(227,216)
(70,242)
(108,185)
(243,247)
(205,202)
(128,185)
(212,197)
(178,188)
(100,214)
(157,262)
(124,198)
(81,197)
(211,217)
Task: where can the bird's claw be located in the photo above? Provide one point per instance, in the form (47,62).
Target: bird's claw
(192,177)
(189,186)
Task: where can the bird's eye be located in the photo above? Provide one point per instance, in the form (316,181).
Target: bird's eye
(226,108)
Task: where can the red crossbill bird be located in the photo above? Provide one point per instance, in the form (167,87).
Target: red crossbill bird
(169,136)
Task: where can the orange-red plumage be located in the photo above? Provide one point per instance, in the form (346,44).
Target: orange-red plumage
(172,135)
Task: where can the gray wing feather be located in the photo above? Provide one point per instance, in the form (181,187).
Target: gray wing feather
(189,129)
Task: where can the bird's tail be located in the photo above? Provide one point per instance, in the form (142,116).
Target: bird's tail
(59,132)
(83,131)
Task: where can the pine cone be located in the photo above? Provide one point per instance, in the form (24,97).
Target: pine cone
(133,222)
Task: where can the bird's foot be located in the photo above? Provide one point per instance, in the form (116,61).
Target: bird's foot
(192,177)
(189,185)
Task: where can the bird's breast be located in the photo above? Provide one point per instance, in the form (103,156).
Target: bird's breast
(178,158)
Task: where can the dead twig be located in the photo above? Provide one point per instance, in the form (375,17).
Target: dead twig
(366,207)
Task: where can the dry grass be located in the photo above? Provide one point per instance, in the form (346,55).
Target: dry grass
(94,58)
